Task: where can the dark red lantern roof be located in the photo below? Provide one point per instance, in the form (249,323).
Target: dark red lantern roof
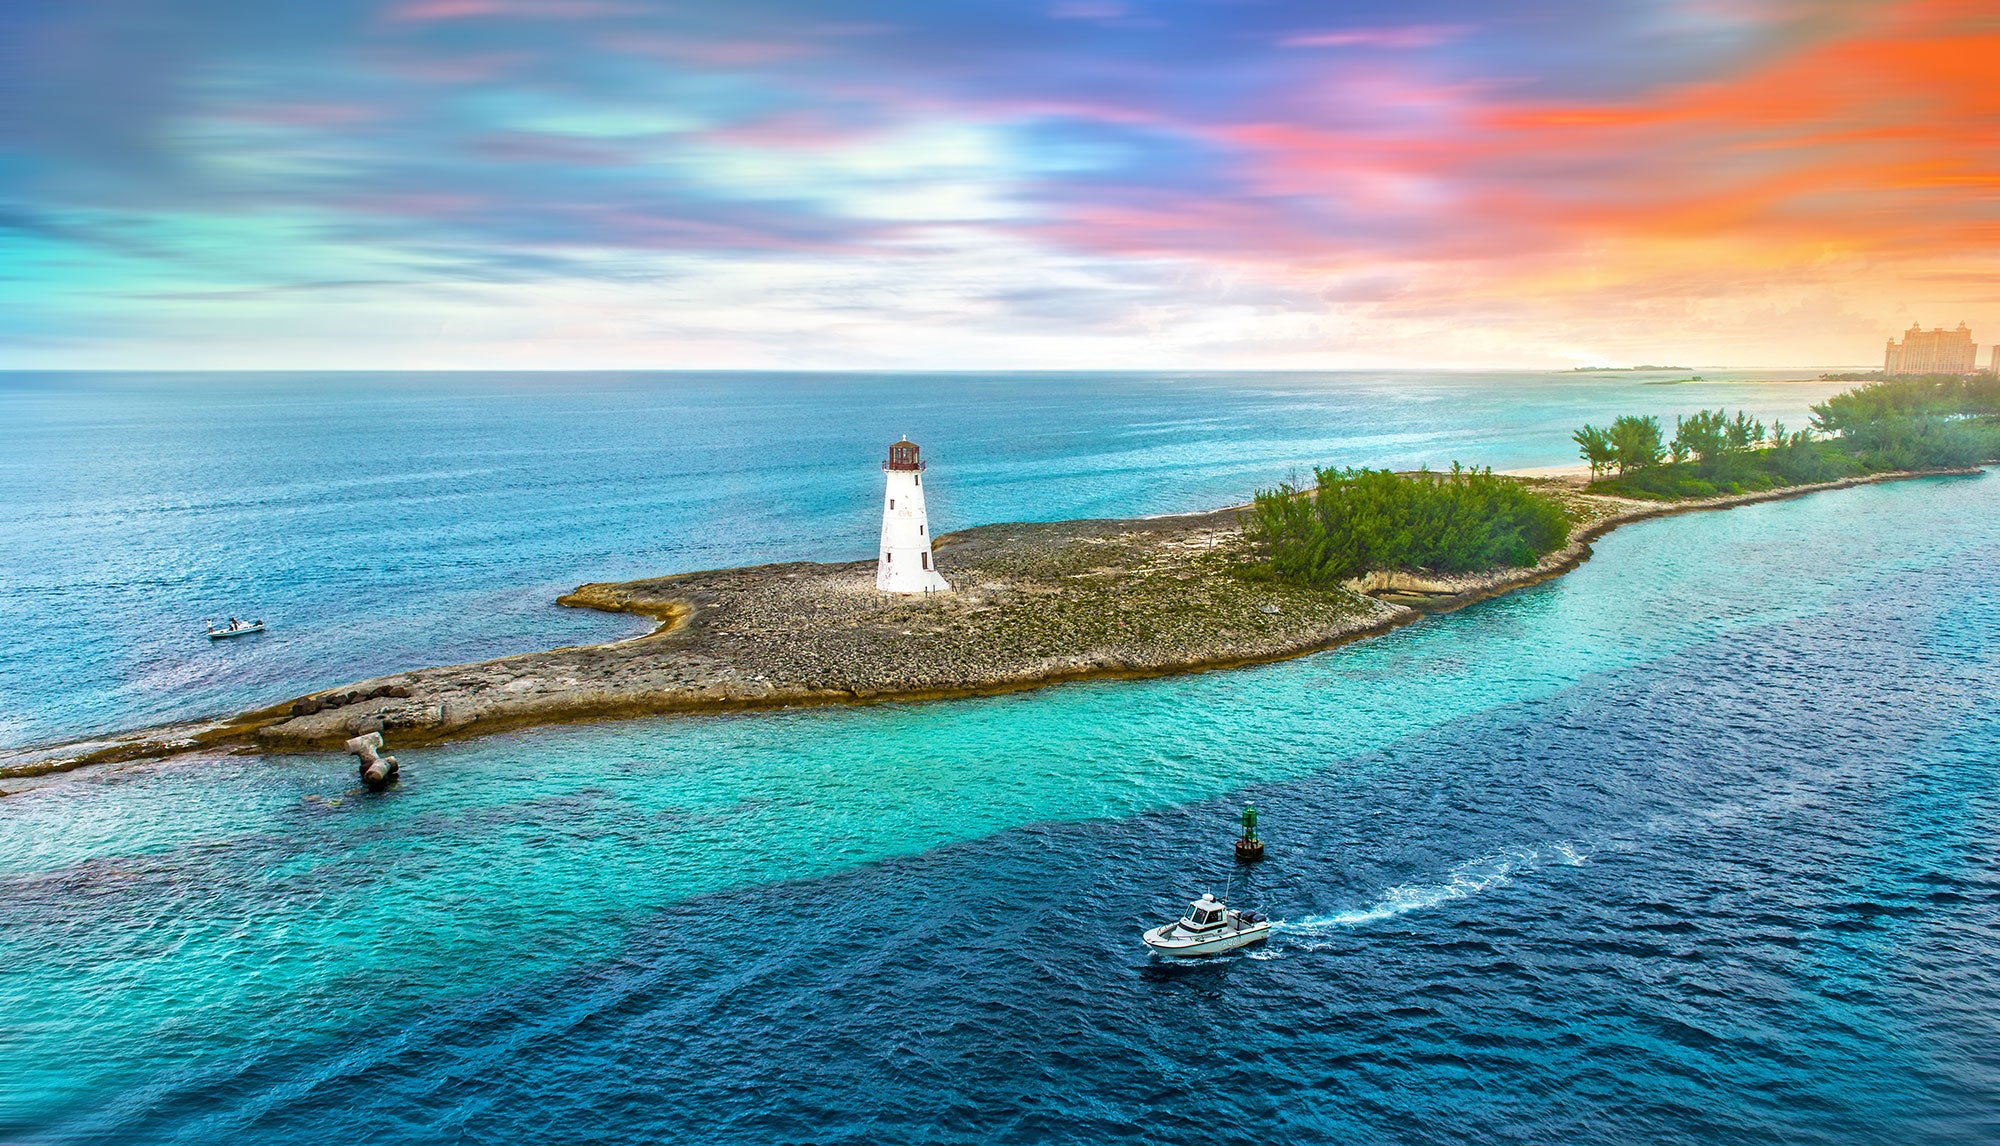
(903,456)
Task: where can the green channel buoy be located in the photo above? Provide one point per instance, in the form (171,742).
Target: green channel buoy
(1249,849)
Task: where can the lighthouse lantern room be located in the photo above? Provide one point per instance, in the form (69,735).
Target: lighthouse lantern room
(904,565)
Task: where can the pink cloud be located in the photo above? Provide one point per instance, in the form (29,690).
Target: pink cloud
(431,11)
(791,129)
(1410,36)
(1863,145)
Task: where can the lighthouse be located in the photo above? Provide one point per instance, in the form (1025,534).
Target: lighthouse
(904,565)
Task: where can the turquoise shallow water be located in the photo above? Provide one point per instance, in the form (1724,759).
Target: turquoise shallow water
(1694,844)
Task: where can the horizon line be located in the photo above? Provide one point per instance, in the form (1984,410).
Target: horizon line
(5,370)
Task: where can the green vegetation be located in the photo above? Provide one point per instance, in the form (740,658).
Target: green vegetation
(1917,423)
(1631,443)
(1356,520)
(1945,395)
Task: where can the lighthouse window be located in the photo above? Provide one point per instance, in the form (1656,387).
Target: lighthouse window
(920,531)
(888,557)
(927,561)
(892,503)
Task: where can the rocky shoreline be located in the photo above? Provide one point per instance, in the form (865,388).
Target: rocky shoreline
(1033,604)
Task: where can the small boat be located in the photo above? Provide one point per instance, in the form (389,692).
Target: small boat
(234,628)
(1208,928)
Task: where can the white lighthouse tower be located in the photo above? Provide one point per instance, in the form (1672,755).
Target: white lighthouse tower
(904,565)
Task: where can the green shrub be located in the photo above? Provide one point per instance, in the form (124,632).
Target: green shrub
(1356,520)
(1917,443)
(1933,394)
(1663,483)
(1799,460)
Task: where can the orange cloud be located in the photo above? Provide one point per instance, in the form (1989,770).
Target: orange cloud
(1858,163)
(1885,139)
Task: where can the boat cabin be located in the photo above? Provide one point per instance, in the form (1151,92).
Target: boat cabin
(1203,914)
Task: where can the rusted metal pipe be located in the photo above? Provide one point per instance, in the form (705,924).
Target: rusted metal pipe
(377,771)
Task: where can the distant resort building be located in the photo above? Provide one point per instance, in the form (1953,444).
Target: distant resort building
(1934,351)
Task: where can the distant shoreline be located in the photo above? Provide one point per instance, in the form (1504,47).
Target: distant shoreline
(1034,604)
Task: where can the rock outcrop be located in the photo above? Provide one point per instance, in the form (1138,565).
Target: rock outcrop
(1035,603)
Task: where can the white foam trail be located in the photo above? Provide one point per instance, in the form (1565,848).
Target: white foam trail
(1462,882)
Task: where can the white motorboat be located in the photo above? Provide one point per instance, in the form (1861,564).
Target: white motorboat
(1208,928)
(234,628)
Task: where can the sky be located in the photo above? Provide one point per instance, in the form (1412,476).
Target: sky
(915,184)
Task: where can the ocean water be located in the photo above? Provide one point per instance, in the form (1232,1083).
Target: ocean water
(384,522)
(1695,844)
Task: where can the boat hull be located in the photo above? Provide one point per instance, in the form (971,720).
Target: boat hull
(1164,941)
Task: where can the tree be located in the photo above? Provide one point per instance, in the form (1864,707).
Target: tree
(1704,434)
(1594,446)
(1635,442)
(1743,432)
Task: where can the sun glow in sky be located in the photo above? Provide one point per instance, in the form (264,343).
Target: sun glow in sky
(1084,183)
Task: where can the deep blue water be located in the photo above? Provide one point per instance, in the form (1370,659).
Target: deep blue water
(1696,844)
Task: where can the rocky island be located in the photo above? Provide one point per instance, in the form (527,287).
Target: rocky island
(1032,604)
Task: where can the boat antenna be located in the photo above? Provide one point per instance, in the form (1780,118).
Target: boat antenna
(1227,887)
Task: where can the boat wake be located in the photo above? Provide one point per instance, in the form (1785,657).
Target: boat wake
(1462,882)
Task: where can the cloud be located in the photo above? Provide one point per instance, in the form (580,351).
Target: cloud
(429,11)
(1406,37)
(1548,172)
